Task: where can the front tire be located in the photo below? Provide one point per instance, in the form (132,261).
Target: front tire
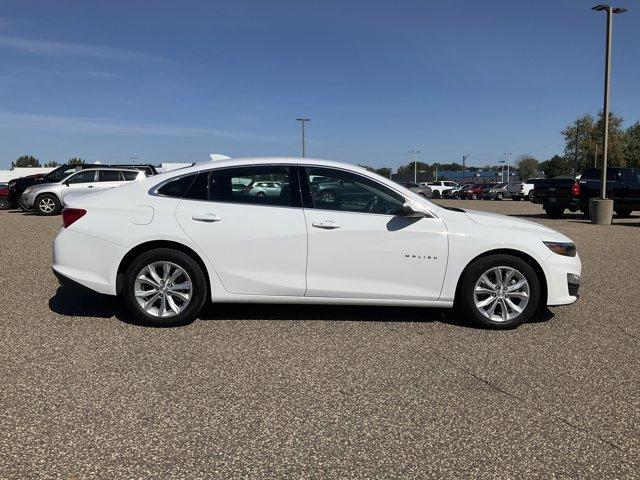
(4,203)
(435,194)
(47,204)
(499,292)
(164,288)
(554,212)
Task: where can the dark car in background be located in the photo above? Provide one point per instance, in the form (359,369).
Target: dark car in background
(566,193)
(17,186)
(4,194)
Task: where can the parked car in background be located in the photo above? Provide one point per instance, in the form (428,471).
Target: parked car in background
(566,193)
(261,189)
(421,189)
(4,196)
(49,198)
(438,187)
(455,192)
(472,192)
(486,187)
(167,245)
(17,186)
(528,185)
(497,192)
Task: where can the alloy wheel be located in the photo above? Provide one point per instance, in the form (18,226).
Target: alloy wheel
(501,294)
(163,289)
(46,205)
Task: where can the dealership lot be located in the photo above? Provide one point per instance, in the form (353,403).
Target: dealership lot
(317,391)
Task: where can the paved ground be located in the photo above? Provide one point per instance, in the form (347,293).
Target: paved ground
(272,391)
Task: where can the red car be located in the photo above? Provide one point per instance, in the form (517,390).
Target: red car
(473,192)
(4,194)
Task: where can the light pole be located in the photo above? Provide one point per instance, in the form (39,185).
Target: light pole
(502,170)
(415,154)
(464,166)
(601,209)
(508,155)
(302,122)
(576,151)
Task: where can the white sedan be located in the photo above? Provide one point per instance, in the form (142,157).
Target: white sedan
(171,242)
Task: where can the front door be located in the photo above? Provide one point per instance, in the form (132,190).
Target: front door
(256,243)
(359,245)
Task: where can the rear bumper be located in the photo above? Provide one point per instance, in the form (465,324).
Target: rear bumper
(86,261)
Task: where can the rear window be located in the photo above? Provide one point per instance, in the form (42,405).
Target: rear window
(109,176)
(176,188)
(129,176)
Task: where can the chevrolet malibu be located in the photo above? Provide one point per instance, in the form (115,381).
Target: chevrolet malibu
(170,243)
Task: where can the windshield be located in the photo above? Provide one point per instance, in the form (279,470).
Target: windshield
(60,173)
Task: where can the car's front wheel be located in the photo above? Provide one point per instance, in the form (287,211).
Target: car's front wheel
(47,204)
(499,291)
(4,203)
(164,288)
(554,212)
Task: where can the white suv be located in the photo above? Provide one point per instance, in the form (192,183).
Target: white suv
(49,198)
(438,187)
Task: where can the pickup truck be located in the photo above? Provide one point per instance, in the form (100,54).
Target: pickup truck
(561,193)
(438,187)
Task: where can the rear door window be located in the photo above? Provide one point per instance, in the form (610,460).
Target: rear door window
(109,176)
(129,176)
(257,185)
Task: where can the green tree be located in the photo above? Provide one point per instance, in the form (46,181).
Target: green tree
(556,165)
(52,164)
(382,171)
(632,148)
(590,140)
(76,161)
(26,161)
(527,166)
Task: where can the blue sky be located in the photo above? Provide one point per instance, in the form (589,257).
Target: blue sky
(174,81)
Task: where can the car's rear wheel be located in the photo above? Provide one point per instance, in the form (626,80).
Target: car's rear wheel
(47,204)
(4,203)
(499,196)
(554,212)
(435,194)
(164,288)
(499,291)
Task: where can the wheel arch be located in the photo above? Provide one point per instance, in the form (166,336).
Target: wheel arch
(136,251)
(537,268)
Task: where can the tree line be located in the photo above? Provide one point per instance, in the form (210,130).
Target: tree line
(29,161)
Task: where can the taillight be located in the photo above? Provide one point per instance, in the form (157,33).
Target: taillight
(575,190)
(71,215)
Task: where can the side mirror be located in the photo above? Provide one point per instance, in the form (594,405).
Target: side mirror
(411,210)
(66,182)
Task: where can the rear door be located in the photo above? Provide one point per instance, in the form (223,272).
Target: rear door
(256,244)
(359,245)
(108,178)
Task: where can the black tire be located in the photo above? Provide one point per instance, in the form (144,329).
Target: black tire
(465,302)
(47,204)
(499,196)
(530,196)
(4,203)
(517,198)
(624,212)
(189,265)
(474,196)
(261,194)
(435,194)
(554,212)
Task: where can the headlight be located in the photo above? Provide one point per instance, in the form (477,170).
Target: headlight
(566,249)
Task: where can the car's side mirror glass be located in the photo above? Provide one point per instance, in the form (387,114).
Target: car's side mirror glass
(66,182)
(410,210)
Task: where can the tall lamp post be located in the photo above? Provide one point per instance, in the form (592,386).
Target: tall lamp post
(415,154)
(508,156)
(501,170)
(601,209)
(302,122)
(464,166)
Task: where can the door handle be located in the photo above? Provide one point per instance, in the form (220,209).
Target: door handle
(206,217)
(89,186)
(326,224)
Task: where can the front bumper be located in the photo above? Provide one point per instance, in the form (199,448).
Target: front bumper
(563,279)
(27,201)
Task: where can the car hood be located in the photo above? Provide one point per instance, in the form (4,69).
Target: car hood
(497,220)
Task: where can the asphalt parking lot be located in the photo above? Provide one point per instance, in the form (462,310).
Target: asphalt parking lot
(309,392)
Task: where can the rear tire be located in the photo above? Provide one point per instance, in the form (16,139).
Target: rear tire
(4,203)
(499,196)
(435,194)
(169,309)
(554,212)
(47,204)
(471,293)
